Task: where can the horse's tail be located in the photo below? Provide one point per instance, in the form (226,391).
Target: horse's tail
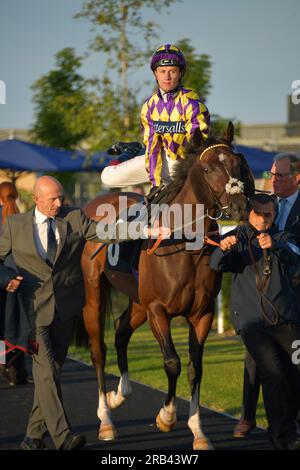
(105,304)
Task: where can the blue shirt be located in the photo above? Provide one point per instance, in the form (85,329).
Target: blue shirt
(287,207)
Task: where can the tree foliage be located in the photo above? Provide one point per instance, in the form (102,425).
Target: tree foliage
(64,109)
(198,72)
(122,26)
(72,111)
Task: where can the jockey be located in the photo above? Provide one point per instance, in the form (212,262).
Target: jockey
(169,118)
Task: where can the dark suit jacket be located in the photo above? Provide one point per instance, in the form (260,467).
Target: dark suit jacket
(293,221)
(46,289)
(246,306)
(293,226)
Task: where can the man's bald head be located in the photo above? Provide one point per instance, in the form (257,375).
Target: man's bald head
(48,193)
(45,183)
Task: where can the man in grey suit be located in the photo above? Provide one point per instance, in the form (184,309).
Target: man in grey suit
(285,176)
(47,244)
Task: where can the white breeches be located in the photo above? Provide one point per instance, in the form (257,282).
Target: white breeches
(134,172)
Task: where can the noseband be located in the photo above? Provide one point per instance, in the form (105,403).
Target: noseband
(233,186)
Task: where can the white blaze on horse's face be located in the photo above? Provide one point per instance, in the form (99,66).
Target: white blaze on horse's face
(234,185)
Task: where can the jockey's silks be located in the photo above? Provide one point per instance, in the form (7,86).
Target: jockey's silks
(168,123)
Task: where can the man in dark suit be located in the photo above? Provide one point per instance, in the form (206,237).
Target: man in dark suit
(285,176)
(47,244)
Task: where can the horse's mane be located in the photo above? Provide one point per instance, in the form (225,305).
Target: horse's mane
(191,152)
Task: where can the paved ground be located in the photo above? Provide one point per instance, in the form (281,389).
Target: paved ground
(135,421)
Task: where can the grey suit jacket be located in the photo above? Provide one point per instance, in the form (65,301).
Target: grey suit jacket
(48,289)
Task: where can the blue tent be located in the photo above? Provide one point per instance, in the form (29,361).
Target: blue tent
(259,160)
(17,155)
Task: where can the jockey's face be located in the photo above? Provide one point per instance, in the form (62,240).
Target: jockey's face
(167,77)
(262,215)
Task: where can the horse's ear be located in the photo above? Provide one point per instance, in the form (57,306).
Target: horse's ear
(198,139)
(247,177)
(230,132)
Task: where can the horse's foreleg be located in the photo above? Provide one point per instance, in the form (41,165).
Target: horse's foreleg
(107,430)
(94,324)
(197,337)
(160,325)
(129,321)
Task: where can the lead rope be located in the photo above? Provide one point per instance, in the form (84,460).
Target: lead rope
(263,283)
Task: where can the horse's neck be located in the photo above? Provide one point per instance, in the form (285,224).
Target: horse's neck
(188,196)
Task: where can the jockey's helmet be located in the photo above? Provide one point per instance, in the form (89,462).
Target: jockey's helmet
(168,55)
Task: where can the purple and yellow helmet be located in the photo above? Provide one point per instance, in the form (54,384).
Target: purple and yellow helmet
(168,55)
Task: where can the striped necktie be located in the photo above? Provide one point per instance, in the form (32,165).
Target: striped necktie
(52,245)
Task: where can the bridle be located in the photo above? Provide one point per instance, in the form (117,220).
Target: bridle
(233,186)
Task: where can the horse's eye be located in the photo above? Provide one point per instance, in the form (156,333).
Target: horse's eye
(205,170)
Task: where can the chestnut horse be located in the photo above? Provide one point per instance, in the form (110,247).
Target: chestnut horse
(172,282)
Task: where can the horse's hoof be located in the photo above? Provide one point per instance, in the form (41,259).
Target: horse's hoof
(162,426)
(201,443)
(107,432)
(114,400)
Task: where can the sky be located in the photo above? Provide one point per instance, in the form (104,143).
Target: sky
(254,46)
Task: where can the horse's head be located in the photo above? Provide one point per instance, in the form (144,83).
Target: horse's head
(220,177)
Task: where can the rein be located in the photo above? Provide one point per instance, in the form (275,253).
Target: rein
(206,239)
(233,186)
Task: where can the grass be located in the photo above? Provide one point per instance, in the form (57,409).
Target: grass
(222,380)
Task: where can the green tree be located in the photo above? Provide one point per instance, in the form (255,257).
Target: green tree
(67,110)
(64,109)
(198,72)
(111,117)
(122,25)
(72,112)
(219,125)
(198,76)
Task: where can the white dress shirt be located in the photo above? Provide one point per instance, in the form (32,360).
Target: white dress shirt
(287,208)
(40,228)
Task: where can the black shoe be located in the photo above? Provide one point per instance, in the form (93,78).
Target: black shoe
(73,442)
(28,380)
(294,445)
(32,444)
